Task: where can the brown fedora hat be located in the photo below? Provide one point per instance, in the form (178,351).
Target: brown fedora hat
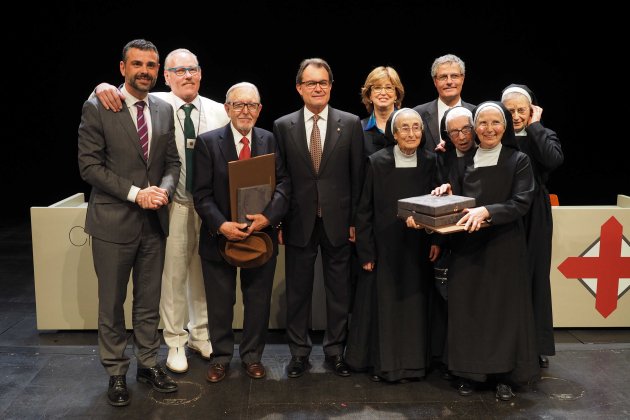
(251,252)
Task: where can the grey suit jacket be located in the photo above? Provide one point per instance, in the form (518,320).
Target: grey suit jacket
(111,161)
(338,184)
(429,114)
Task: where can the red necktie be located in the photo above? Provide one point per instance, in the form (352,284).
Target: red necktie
(143,131)
(246,153)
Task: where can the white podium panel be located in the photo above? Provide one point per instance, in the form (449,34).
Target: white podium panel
(65,283)
(590,265)
(66,290)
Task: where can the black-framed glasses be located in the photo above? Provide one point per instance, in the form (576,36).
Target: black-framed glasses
(455,77)
(310,84)
(239,106)
(465,130)
(386,89)
(181,70)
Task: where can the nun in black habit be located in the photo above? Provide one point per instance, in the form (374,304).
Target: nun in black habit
(388,329)
(545,153)
(490,321)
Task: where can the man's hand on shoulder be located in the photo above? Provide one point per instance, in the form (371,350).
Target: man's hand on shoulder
(110,97)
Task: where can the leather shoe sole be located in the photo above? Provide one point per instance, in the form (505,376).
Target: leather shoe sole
(297,366)
(254,370)
(216,372)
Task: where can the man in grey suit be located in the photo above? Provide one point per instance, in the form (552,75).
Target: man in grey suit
(130,159)
(322,148)
(183,293)
(448,73)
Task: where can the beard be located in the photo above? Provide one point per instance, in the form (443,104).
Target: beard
(135,82)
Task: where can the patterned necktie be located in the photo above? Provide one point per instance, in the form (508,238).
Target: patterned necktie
(316,145)
(246,152)
(189,134)
(316,153)
(143,131)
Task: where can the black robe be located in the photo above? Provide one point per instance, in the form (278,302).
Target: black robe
(389,323)
(545,153)
(490,319)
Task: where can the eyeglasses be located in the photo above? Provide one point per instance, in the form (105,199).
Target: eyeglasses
(455,77)
(310,84)
(465,130)
(405,129)
(181,71)
(386,89)
(239,106)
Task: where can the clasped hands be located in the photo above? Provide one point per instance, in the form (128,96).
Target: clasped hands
(152,198)
(235,231)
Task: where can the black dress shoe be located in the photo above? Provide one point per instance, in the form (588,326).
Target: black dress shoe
(447,376)
(297,366)
(117,393)
(375,378)
(504,392)
(543,361)
(157,378)
(465,388)
(338,365)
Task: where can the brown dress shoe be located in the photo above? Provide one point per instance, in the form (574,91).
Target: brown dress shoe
(216,372)
(254,370)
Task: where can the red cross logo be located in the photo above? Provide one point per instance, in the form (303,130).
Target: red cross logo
(608,268)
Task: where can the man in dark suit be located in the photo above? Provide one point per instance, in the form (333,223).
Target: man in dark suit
(213,150)
(130,159)
(448,73)
(323,151)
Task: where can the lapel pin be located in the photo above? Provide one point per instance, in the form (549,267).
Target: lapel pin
(338,129)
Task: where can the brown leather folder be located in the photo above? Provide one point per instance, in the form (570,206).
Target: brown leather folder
(259,170)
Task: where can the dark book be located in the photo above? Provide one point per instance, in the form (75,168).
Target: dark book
(248,173)
(252,200)
(432,221)
(436,205)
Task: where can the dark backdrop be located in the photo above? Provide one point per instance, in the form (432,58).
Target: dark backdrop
(61,52)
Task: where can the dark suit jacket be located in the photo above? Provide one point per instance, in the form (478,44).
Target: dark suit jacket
(213,150)
(338,183)
(111,161)
(429,114)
